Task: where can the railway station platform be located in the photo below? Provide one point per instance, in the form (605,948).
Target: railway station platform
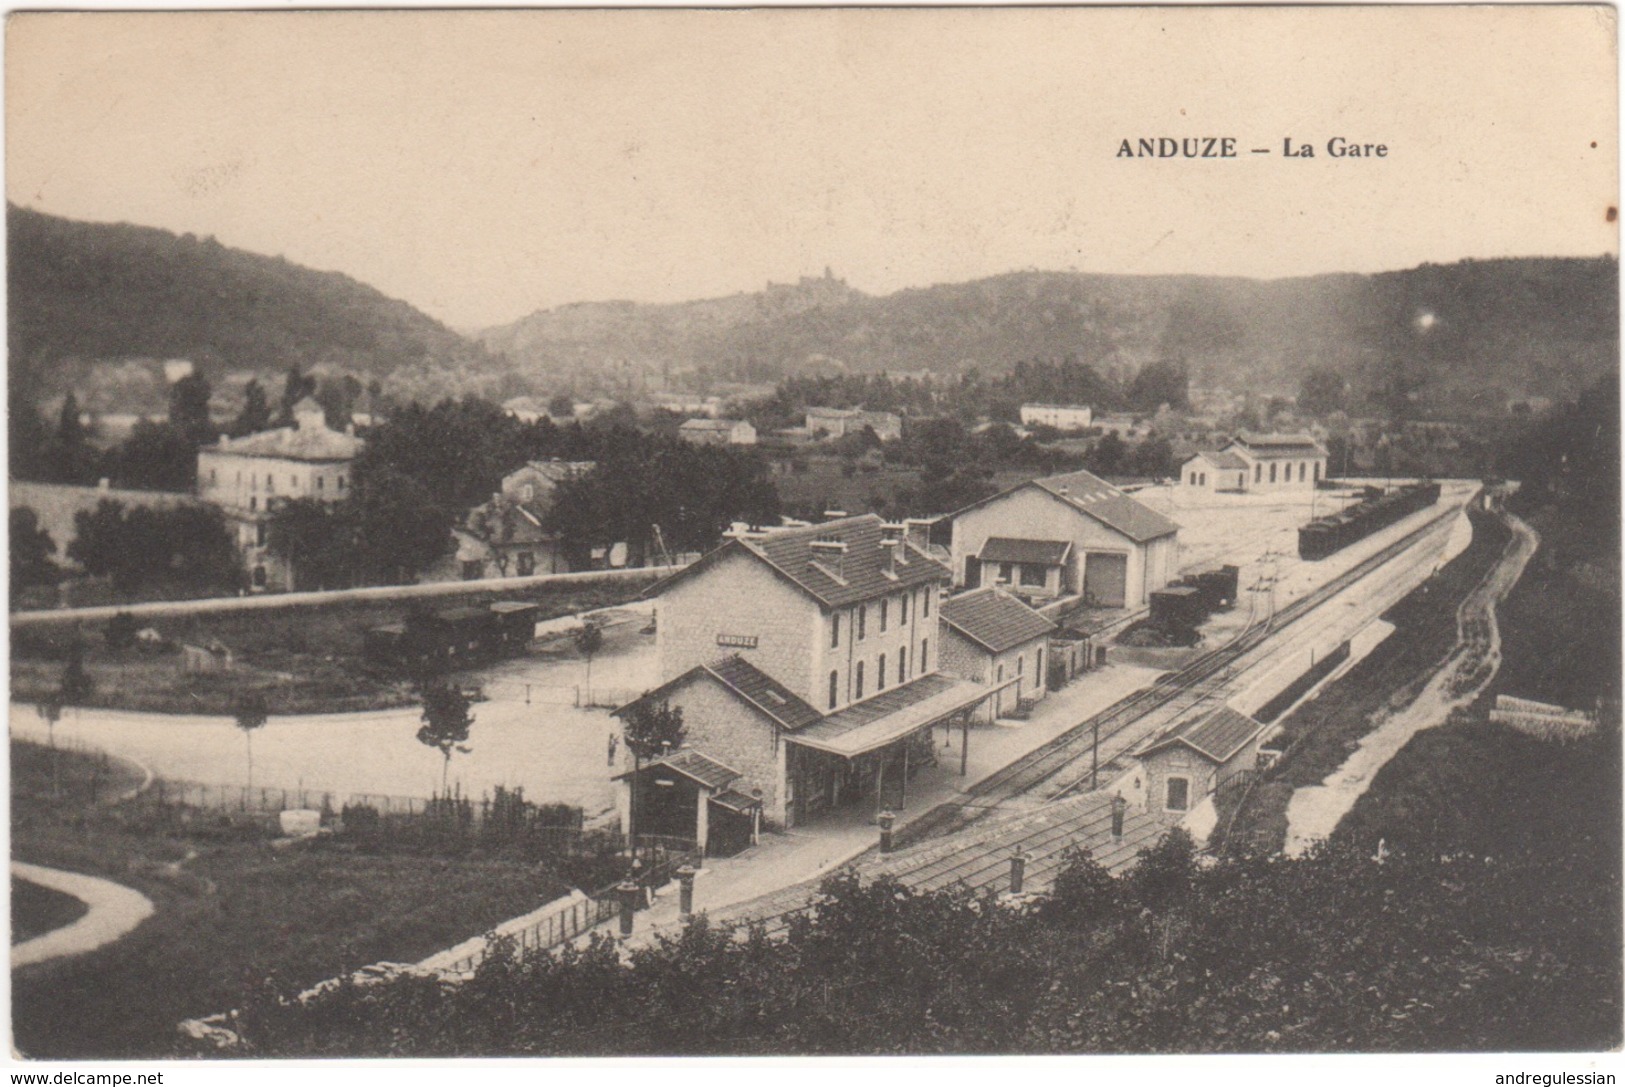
(790,858)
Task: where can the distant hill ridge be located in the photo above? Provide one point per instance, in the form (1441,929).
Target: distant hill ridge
(1513,327)
(100,291)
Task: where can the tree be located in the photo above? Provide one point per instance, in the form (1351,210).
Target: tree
(156,457)
(318,541)
(187,547)
(446,723)
(255,415)
(1323,392)
(1108,454)
(294,389)
(31,551)
(589,640)
(650,731)
(561,406)
(250,713)
(77,686)
(189,409)
(121,631)
(50,712)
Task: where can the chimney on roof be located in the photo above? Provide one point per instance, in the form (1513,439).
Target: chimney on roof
(831,555)
(890,548)
(1119,808)
(918,532)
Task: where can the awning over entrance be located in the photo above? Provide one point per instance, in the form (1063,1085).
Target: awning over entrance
(891,715)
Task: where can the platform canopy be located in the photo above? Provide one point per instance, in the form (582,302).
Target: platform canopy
(891,715)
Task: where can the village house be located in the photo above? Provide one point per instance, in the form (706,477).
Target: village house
(805,661)
(839,422)
(717,432)
(1066,535)
(249,477)
(988,636)
(1197,757)
(504,536)
(1215,473)
(1059,416)
(1268,462)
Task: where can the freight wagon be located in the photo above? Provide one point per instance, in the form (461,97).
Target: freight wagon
(434,641)
(1328,535)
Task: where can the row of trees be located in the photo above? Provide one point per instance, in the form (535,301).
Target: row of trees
(1338,950)
(975,395)
(424,469)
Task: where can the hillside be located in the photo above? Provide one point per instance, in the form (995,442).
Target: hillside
(83,295)
(1500,328)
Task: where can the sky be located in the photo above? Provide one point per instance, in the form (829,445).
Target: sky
(482,165)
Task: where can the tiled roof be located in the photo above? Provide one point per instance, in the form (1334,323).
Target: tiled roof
(1266,446)
(891,715)
(1217,735)
(764,692)
(695,766)
(318,443)
(1091,494)
(862,574)
(736,801)
(709,424)
(1222,459)
(994,619)
(756,688)
(1042,552)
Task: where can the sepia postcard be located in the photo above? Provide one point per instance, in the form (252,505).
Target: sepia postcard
(791,532)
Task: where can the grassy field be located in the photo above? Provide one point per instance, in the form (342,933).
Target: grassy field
(232,914)
(1321,732)
(36,910)
(305,659)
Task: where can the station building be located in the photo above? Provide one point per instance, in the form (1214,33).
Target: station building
(806,662)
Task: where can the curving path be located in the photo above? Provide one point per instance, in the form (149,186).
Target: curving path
(114,911)
(1314,811)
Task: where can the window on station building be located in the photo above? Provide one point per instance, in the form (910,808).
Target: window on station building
(925,654)
(1006,570)
(1258,473)
(902,620)
(341,483)
(1038,665)
(1179,794)
(1317,471)
(1032,574)
(884,608)
(1272,473)
(834,688)
(253,503)
(211,477)
(880,674)
(857,682)
(863,620)
(902,666)
(1302,470)
(925,602)
(270,482)
(835,631)
(320,482)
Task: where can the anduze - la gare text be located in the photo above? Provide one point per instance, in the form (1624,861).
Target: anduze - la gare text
(1224,147)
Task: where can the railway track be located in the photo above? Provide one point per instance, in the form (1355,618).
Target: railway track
(1202,679)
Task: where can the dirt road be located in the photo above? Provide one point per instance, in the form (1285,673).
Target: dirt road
(1315,811)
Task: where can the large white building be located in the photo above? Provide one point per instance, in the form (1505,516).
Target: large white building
(1059,416)
(1258,462)
(248,477)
